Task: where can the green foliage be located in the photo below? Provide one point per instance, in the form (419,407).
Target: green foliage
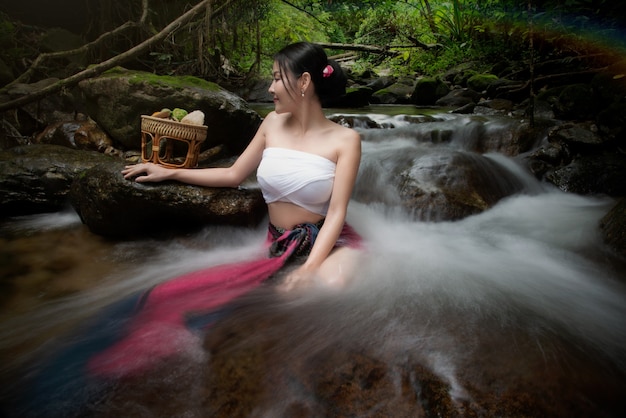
(422,36)
(279,24)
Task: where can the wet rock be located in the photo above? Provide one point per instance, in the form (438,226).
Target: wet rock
(356,97)
(459,98)
(592,174)
(379,83)
(115,207)
(117,99)
(577,136)
(397,93)
(428,90)
(546,158)
(37,178)
(262,361)
(453,186)
(613,227)
(467,109)
(358,121)
(494,107)
(506,89)
(459,74)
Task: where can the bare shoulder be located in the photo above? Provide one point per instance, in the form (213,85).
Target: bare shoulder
(348,138)
(273,118)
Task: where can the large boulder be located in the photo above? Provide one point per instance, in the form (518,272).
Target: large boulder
(446,186)
(37,178)
(481,82)
(117,99)
(114,207)
(428,90)
(397,93)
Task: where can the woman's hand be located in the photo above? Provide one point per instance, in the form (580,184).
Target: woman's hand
(298,278)
(146,172)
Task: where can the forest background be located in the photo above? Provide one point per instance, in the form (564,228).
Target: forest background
(232,41)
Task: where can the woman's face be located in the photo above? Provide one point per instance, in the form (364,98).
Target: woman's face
(282,91)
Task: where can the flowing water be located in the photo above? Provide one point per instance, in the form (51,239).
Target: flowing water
(453,294)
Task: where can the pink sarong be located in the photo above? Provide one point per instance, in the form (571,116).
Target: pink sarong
(159,325)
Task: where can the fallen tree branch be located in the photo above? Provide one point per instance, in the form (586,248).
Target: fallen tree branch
(25,76)
(384,50)
(112,62)
(355,47)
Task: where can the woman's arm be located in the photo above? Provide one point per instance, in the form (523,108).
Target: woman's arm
(231,176)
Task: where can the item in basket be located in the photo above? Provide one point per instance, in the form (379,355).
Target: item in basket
(164,113)
(194,118)
(178,114)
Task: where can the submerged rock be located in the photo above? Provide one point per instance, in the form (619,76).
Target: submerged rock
(260,360)
(455,185)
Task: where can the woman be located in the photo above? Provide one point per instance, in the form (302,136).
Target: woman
(307,165)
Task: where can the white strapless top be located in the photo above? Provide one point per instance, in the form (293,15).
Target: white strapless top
(298,177)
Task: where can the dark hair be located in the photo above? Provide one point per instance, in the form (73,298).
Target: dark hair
(302,57)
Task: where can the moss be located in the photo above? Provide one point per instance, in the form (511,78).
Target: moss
(141,77)
(480,82)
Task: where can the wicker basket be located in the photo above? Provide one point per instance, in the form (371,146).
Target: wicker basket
(171,143)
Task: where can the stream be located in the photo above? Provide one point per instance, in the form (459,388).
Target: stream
(487,303)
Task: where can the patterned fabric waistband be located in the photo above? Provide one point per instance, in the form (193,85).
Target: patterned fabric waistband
(297,241)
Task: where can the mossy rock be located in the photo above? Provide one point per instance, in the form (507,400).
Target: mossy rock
(117,99)
(428,90)
(481,82)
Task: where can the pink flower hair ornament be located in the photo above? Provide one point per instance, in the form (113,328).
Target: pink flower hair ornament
(327,71)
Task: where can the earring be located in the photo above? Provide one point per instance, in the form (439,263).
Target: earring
(302,91)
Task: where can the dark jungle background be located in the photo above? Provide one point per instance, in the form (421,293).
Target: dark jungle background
(234,40)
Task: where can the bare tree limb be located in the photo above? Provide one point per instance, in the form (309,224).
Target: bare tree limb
(355,47)
(115,61)
(373,48)
(25,76)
